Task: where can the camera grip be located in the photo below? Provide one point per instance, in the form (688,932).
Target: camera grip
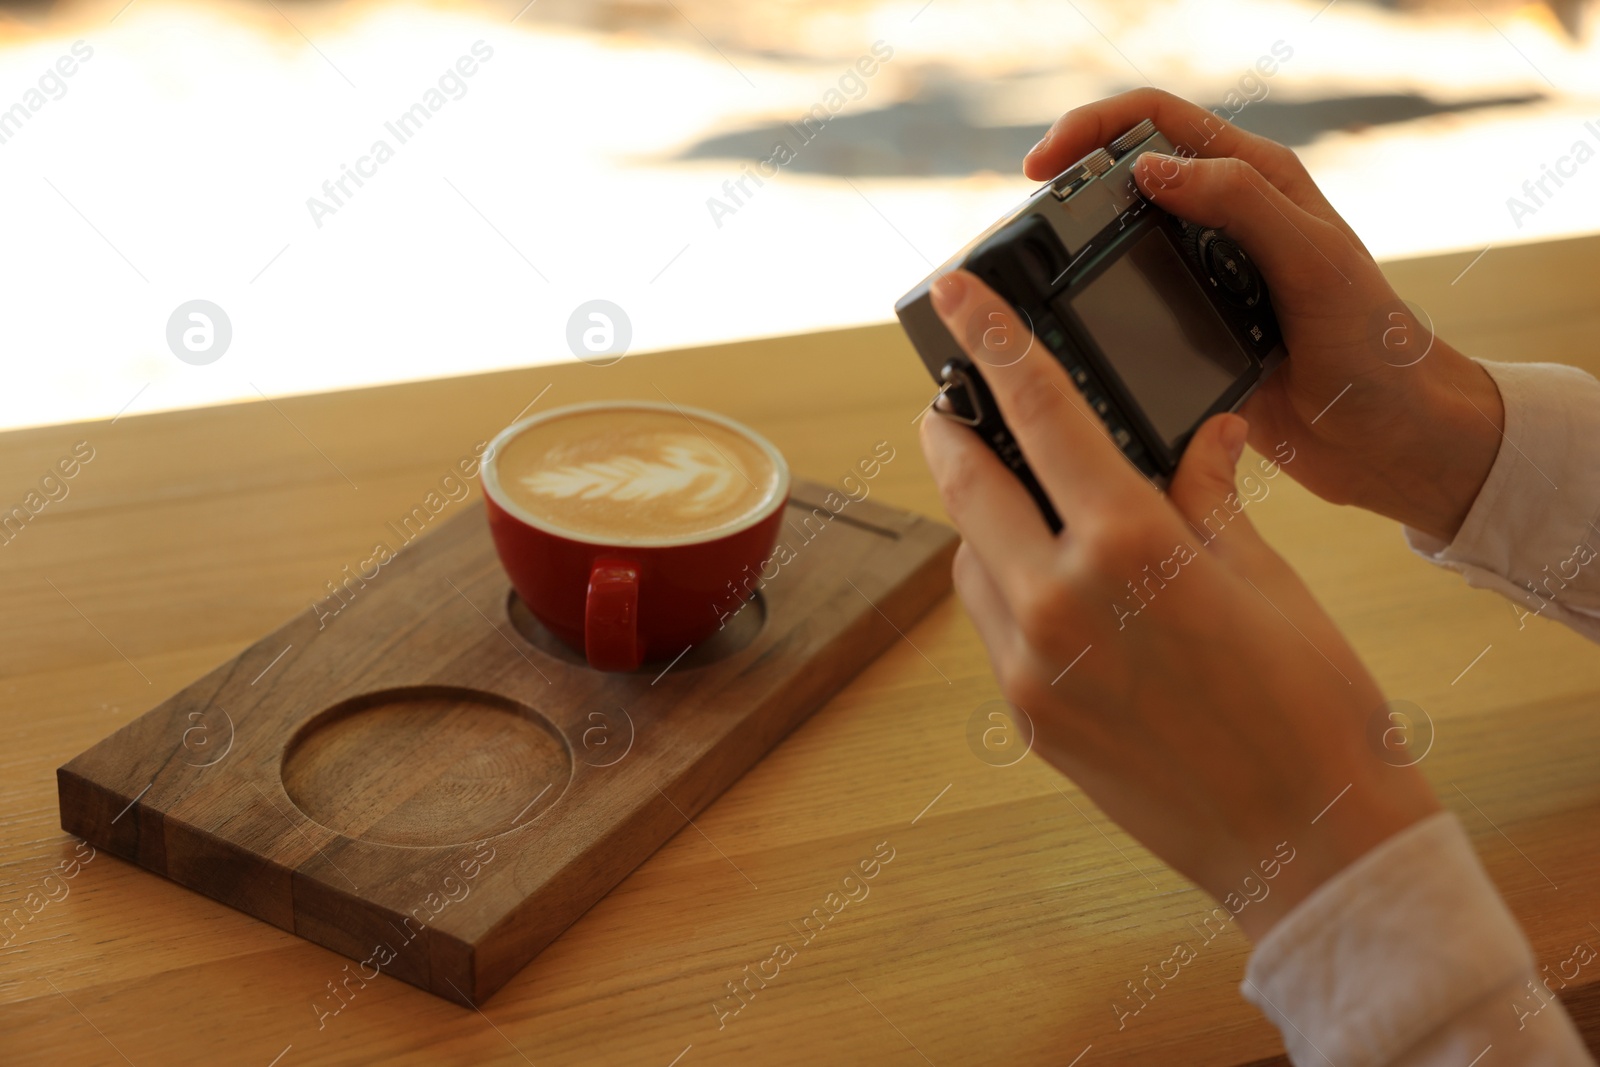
(611,616)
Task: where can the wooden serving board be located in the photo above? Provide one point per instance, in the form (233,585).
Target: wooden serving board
(430,784)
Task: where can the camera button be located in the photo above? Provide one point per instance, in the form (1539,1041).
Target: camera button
(1048,330)
(1231,270)
(1118,431)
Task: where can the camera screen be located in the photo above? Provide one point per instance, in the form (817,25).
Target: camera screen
(1157,329)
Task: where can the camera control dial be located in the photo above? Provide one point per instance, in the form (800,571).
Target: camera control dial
(1098,162)
(1225,265)
(1136,136)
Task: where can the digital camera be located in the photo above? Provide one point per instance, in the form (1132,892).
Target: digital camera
(1160,323)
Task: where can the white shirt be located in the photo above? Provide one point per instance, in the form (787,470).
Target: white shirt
(1408,957)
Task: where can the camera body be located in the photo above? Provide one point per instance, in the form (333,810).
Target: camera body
(1159,322)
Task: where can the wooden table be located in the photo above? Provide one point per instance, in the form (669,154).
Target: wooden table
(1012,913)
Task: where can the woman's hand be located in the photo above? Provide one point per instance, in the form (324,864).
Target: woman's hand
(1170,662)
(1381,413)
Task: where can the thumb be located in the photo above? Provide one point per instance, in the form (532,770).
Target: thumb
(1232,196)
(1203,488)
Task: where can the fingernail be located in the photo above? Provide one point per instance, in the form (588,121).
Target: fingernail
(1162,169)
(948,292)
(1044,142)
(1234,433)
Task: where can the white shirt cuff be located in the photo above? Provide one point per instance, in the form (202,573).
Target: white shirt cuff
(1531,534)
(1374,960)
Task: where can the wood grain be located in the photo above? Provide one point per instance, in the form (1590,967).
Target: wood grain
(422,782)
(1005,925)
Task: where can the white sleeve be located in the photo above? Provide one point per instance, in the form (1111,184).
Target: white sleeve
(1409,958)
(1533,533)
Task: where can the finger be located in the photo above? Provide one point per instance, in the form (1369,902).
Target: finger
(1192,129)
(1081,470)
(984,602)
(1203,488)
(997,518)
(1300,253)
(1010,654)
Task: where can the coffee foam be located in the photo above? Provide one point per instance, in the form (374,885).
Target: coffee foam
(636,474)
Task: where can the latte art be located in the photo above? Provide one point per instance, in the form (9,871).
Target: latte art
(689,470)
(636,474)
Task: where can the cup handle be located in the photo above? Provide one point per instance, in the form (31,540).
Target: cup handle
(611,616)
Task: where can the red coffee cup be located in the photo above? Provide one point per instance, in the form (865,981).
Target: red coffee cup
(625,601)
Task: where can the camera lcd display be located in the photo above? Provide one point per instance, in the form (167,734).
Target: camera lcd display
(1157,329)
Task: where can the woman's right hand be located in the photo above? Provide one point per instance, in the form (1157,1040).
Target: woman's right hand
(1167,659)
(1380,413)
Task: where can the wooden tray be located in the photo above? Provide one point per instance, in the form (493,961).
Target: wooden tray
(431,785)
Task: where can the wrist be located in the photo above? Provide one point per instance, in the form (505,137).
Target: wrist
(1374,809)
(1446,444)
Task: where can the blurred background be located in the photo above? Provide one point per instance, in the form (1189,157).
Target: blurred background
(371,191)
